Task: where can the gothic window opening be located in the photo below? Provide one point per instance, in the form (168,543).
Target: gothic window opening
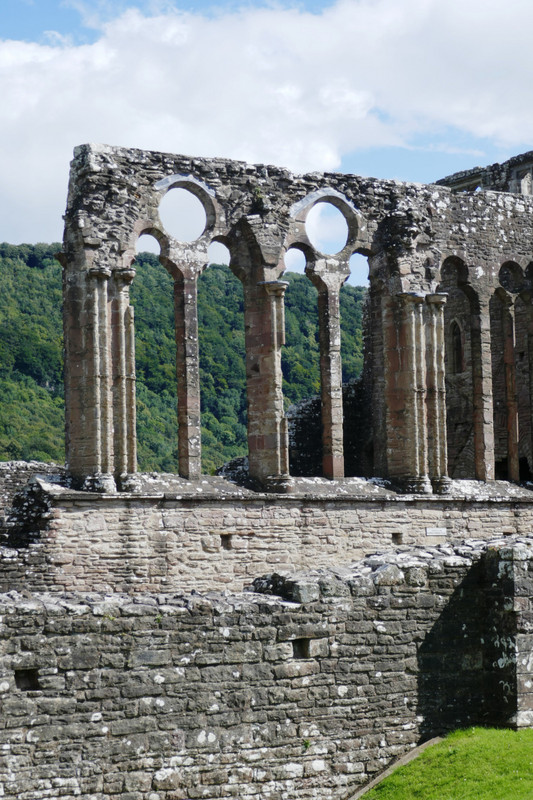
(155,360)
(222,362)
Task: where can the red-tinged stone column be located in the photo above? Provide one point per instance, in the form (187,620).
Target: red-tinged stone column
(123,379)
(405,365)
(508,325)
(482,393)
(329,287)
(131,397)
(264,320)
(436,394)
(89,411)
(188,375)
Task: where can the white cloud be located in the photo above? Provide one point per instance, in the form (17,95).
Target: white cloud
(262,84)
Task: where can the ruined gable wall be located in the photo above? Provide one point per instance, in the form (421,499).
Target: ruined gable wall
(406,230)
(112,192)
(248,696)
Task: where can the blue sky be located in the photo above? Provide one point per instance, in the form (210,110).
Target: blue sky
(406,89)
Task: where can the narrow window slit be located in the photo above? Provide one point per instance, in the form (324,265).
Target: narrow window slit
(300,648)
(27,680)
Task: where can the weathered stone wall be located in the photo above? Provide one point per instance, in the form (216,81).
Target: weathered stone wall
(15,474)
(308,694)
(207,538)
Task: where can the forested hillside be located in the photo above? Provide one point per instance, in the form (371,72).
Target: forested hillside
(31,382)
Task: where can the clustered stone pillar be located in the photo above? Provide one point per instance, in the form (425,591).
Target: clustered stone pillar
(436,397)
(415,391)
(264,321)
(101,423)
(482,393)
(508,326)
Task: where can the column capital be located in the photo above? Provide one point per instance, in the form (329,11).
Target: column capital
(412,297)
(437,299)
(103,273)
(276,288)
(125,276)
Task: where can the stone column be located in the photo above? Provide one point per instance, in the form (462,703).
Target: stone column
(131,393)
(94,425)
(123,375)
(267,426)
(407,454)
(331,373)
(482,393)
(530,378)
(188,375)
(436,393)
(508,326)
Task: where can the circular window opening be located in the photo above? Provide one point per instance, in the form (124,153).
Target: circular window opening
(326,228)
(294,260)
(182,214)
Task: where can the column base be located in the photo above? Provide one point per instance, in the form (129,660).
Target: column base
(100,482)
(129,482)
(442,485)
(277,484)
(412,485)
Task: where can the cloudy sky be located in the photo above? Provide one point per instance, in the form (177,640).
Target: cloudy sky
(409,89)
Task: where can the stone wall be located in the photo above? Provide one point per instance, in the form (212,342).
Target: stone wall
(15,474)
(207,535)
(306,688)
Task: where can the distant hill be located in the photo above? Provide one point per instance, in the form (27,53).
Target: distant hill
(31,367)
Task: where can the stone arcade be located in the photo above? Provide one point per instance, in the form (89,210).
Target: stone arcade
(448,350)
(117,679)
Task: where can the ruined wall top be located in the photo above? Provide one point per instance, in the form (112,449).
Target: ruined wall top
(514,175)
(115,193)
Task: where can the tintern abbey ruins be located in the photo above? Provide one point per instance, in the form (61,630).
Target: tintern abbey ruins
(279,630)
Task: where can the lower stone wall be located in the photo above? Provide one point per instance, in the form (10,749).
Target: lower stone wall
(153,543)
(308,693)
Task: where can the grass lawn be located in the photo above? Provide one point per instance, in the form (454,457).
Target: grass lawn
(474,764)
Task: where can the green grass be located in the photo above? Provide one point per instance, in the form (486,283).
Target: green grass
(474,764)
